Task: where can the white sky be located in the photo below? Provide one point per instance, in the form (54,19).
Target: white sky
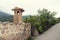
(30,6)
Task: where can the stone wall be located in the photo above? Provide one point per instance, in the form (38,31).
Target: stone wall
(12,31)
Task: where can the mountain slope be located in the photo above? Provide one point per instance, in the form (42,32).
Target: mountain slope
(3,13)
(7,17)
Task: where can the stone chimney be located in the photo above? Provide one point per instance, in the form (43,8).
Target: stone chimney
(18,14)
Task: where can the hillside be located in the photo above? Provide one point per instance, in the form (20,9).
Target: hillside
(7,17)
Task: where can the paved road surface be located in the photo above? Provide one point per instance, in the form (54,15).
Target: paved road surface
(52,34)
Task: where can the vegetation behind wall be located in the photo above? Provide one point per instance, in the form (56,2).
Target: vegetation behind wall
(42,21)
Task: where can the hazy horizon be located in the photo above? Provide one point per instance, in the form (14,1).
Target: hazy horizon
(30,6)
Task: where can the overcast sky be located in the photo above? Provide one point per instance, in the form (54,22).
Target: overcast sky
(30,6)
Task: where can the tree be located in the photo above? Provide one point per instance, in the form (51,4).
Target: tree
(46,18)
(43,20)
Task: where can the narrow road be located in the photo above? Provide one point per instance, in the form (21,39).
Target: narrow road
(52,34)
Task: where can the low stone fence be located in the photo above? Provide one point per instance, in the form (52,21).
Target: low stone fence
(12,31)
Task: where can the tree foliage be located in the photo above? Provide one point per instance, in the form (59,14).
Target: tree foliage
(44,20)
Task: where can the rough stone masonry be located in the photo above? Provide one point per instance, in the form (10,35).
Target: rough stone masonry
(17,30)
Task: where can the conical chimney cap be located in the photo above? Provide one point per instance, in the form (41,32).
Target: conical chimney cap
(17,8)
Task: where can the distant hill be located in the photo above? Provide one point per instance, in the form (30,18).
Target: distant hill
(27,16)
(7,17)
(3,13)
